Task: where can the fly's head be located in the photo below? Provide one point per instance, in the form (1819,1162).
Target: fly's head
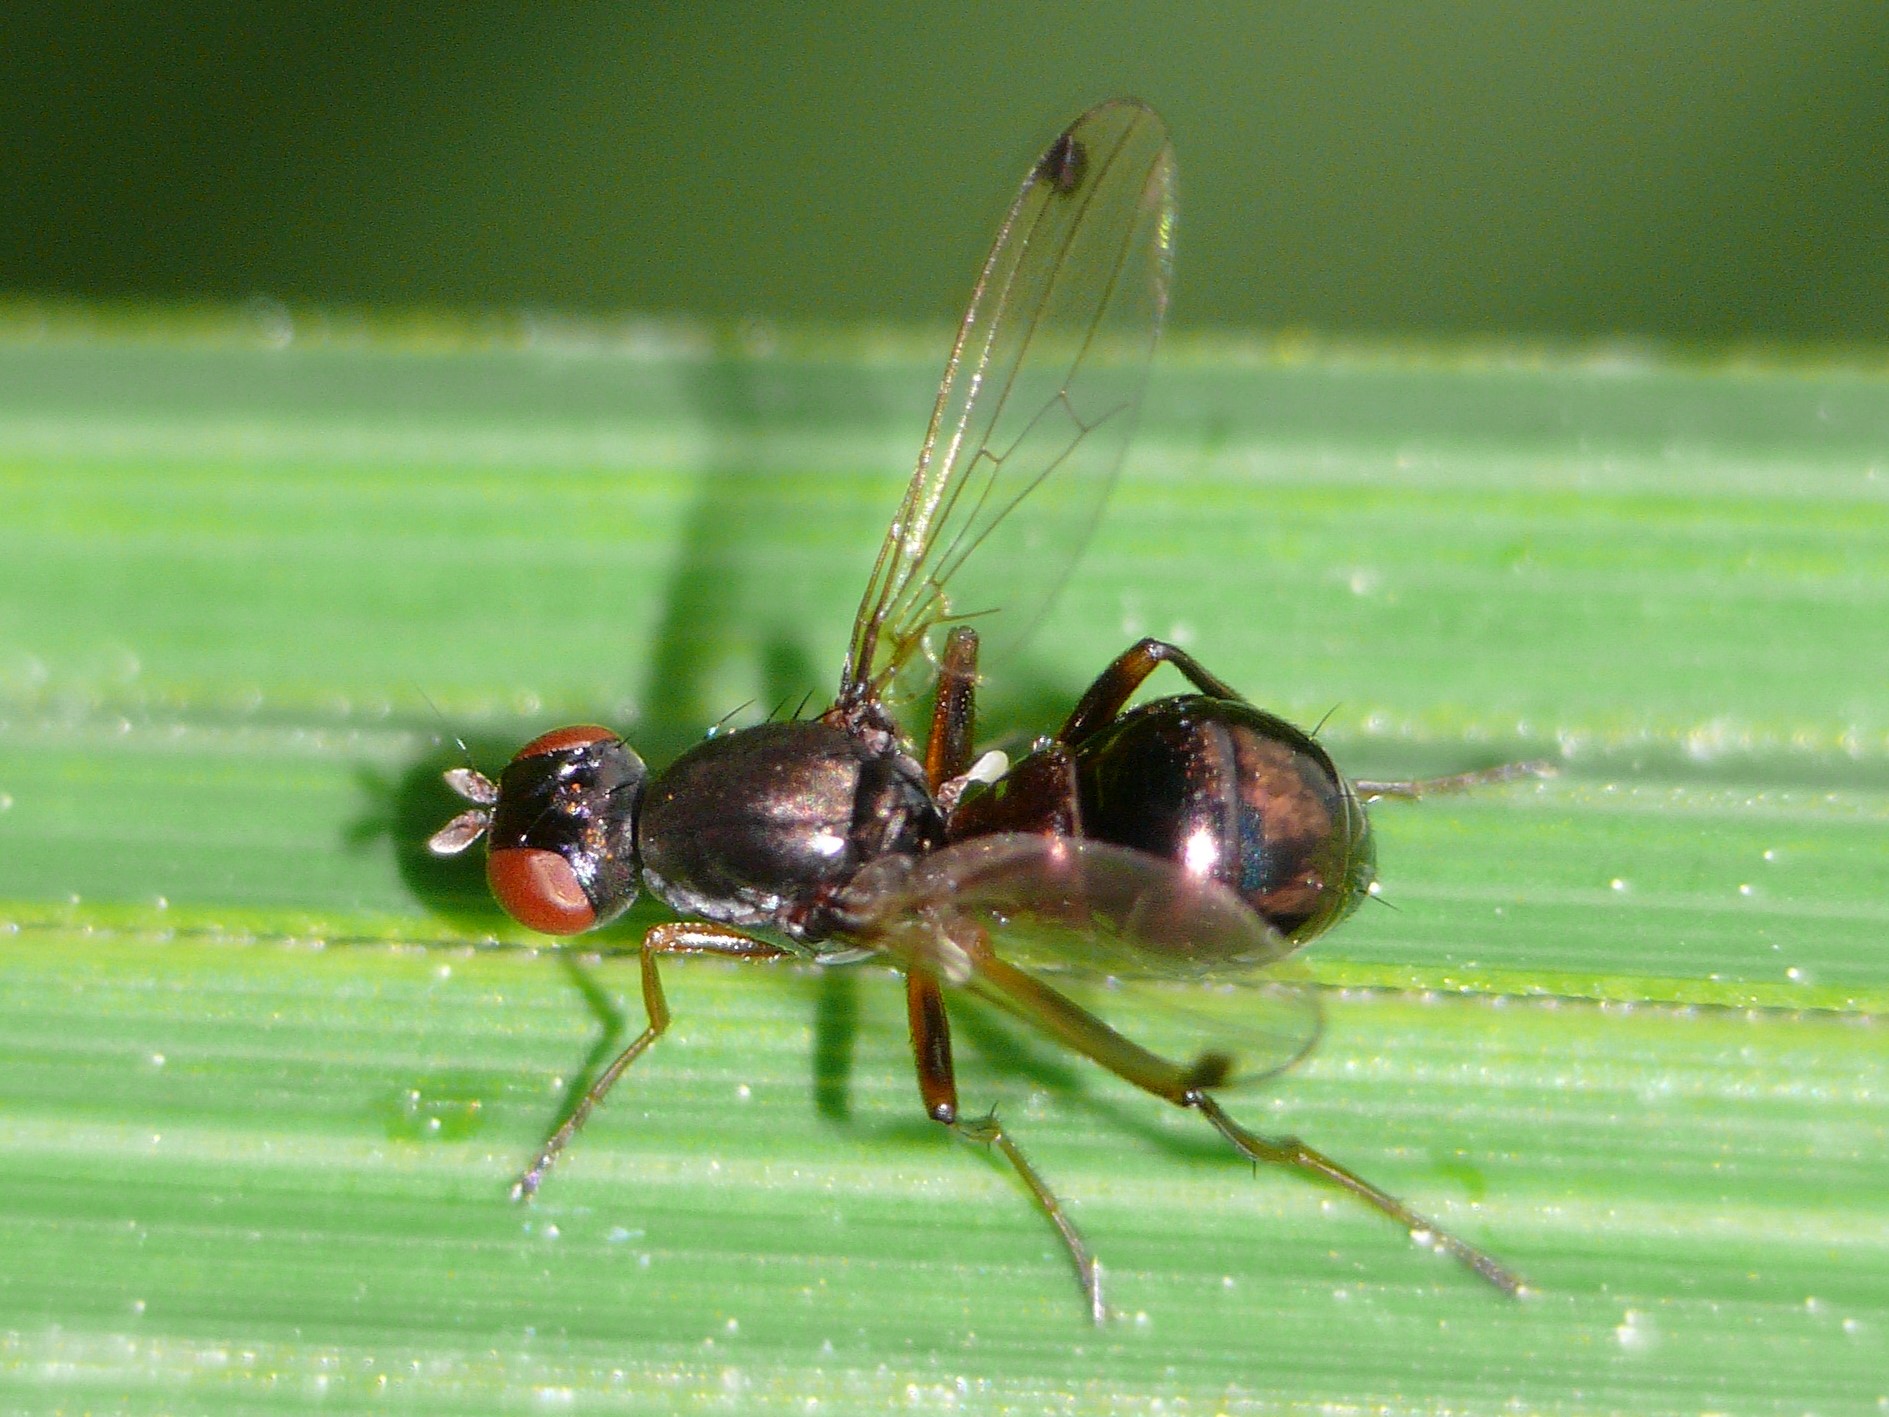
(560,826)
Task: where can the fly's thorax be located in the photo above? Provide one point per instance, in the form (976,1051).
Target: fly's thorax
(562,855)
(1235,794)
(761,828)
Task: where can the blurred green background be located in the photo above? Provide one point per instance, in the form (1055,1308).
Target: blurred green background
(1699,171)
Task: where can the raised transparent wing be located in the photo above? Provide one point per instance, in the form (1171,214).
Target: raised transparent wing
(1179,966)
(1038,400)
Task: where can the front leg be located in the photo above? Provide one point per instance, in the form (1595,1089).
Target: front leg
(676,937)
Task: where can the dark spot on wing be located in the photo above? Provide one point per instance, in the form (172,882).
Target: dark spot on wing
(1063,165)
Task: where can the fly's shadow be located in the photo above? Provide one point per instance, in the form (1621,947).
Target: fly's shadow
(732,643)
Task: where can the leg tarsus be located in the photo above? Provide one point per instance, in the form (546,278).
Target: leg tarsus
(1410,790)
(1295,1155)
(987,1131)
(938,1087)
(1436,786)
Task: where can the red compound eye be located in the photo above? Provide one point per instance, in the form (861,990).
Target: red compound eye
(539,890)
(558,739)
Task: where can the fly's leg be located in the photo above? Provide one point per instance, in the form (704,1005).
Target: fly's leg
(948,753)
(938,1088)
(954,711)
(1371,789)
(1114,686)
(1188,1086)
(1295,1154)
(673,938)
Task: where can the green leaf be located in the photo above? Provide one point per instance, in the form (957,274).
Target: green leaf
(267,1069)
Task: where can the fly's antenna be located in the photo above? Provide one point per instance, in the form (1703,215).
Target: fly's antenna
(467,782)
(446,727)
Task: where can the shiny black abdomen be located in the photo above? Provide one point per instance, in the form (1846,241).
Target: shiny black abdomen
(1224,790)
(760,828)
(1229,791)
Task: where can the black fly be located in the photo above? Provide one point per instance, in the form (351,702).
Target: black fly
(1193,837)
